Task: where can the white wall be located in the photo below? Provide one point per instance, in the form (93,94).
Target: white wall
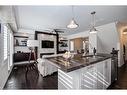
(107,37)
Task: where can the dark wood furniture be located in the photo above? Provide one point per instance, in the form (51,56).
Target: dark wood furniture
(61,52)
(19,57)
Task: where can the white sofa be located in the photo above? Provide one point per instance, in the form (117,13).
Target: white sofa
(46,67)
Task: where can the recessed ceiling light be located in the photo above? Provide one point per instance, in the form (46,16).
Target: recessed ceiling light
(125,31)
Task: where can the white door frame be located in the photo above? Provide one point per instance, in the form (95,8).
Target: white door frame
(10,48)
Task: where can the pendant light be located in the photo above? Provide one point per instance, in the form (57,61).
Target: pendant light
(93,29)
(72,23)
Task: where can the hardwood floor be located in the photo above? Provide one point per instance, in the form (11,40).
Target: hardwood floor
(121,83)
(33,80)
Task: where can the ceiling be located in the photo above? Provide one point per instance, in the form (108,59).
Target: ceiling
(51,17)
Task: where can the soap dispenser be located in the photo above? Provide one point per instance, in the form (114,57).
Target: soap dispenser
(94,51)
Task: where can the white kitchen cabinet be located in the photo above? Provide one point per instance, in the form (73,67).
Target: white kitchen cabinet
(107,72)
(100,75)
(70,80)
(88,78)
(103,74)
(78,79)
(65,81)
(96,76)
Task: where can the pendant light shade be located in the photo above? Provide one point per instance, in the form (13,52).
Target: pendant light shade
(72,23)
(93,29)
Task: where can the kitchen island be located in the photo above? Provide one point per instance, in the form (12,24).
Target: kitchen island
(83,72)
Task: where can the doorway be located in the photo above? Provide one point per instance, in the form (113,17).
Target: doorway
(78,44)
(124,40)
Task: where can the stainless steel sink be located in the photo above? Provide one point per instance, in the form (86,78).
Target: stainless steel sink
(92,56)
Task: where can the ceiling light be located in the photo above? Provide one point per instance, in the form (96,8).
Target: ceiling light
(72,23)
(124,32)
(93,29)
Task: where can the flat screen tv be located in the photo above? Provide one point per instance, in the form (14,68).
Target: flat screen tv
(47,44)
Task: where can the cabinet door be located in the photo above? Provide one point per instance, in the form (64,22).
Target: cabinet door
(107,73)
(88,79)
(100,75)
(103,74)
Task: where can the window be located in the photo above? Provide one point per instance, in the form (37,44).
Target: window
(71,45)
(5,42)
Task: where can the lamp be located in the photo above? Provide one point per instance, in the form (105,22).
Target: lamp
(72,23)
(32,44)
(93,29)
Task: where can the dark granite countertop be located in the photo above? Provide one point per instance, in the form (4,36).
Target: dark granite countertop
(78,61)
